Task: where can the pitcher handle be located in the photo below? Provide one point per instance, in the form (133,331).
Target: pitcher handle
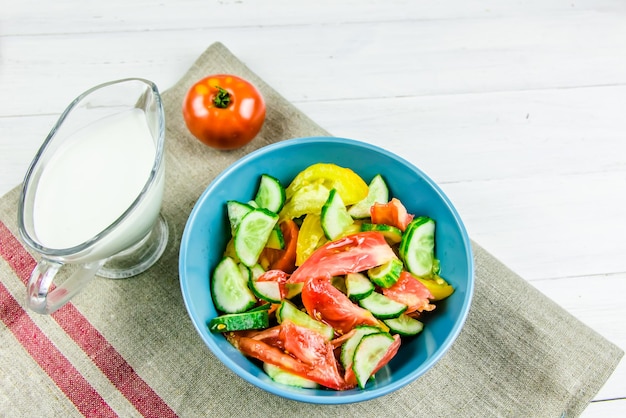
(40,299)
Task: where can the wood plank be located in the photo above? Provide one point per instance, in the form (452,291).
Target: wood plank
(478,137)
(470,137)
(21,138)
(61,16)
(548,227)
(392,59)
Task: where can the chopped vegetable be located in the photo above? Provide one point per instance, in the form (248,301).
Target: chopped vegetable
(381,306)
(335,218)
(310,237)
(358,286)
(438,287)
(387,274)
(252,234)
(240,321)
(404,325)
(348,184)
(369,354)
(229,288)
(417,247)
(270,194)
(377,193)
(353,253)
(392,213)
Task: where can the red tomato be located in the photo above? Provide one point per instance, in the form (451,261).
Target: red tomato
(323,372)
(314,350)
(269,354)
(411,292)
(350,254)
(326,303)
(393,213)
(224,111)
(285,259)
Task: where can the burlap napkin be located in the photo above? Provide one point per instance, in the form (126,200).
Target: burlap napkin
(127,347)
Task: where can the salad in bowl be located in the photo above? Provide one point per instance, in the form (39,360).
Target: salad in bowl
(326,270)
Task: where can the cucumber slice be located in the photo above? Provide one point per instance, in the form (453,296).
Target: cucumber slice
(261,307)
(257,319)
(245,272)
(381,306)
(392,234)
(276,241)
(229,288)
(358,286)
(236,211)
(334,217)
(270,194)
(348,348)
(404,325)
(252,234)
(289,311)
(378,192)
(417,248)
(293,289)
(266,290)
(386,275)
(256,270)
(286,378)
(371,350)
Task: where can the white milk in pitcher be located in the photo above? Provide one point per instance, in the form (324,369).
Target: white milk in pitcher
(93,178)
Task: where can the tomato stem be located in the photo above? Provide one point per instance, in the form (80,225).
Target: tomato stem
(222,98)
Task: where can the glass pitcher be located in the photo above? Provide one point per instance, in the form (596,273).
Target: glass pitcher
(92,196)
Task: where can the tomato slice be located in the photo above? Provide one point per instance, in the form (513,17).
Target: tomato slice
(326,303)
(411,292)
(350,254)
(314,350)
(284,259)
(267,353)
(323,372)
(392,213)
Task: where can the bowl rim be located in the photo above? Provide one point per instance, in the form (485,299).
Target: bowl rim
(335,397)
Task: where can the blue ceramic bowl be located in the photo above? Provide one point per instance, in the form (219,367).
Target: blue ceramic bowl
(207,232)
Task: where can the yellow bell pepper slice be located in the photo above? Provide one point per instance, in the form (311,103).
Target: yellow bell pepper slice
(350,186)
(310,237)
(439,288)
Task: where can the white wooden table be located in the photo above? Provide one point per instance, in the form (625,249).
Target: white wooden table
(518,109)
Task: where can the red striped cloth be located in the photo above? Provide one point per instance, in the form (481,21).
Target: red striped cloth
(87,337)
